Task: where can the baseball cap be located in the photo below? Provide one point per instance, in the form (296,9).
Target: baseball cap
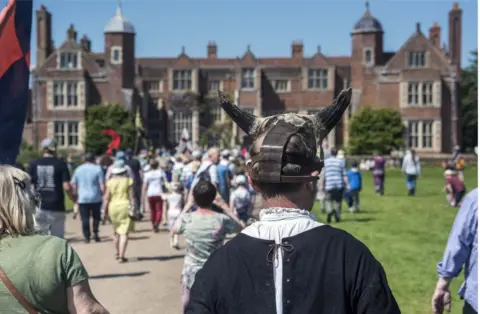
(49,144)
(225,153)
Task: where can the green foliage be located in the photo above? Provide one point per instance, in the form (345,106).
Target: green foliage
(373,130)
(109,116)
(27,153)
(468,103)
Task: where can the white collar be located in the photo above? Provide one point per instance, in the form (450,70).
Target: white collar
(280,213)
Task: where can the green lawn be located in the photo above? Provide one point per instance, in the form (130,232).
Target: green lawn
(407,234)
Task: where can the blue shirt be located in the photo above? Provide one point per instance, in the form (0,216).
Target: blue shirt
(88,179)
(354,179)
(223,174)
(334,170)
(462,249)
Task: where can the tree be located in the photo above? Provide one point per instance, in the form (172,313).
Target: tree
(373,130)
(101,117)
(468,103)
(27,153)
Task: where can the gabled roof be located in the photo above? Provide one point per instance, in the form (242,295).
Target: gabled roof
(418,35)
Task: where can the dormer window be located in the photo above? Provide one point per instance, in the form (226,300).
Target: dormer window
(416,59)
(69,60)
(116,55)
(368,57)
(248,78)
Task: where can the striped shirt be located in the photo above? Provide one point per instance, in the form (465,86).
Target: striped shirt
(334,169)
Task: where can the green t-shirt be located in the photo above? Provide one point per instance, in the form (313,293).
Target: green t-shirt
(41,268)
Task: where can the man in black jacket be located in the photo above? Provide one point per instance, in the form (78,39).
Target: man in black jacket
(287,262)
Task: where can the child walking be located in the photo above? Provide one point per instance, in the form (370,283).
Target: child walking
(174,208)
(355,182)
(241,199)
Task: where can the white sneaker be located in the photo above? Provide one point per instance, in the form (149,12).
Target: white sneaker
(351,209)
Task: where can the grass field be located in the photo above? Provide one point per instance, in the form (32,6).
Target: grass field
(407,234)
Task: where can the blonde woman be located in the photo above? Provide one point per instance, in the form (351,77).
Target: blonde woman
(118,199)
(40,273)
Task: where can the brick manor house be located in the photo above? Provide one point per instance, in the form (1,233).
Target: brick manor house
(420,80)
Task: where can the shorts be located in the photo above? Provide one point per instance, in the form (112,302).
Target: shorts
(335,195)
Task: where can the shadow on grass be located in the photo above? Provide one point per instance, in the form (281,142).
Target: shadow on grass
(106,276)
(158,258)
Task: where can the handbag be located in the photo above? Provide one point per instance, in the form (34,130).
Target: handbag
(16,294)
(134,213)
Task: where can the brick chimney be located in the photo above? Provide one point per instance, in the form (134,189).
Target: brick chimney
(455,34)
(434,35)
(297,49)
(212,50)
(44,35)
(86,43)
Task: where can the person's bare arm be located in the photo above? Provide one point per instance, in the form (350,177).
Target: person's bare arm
(220,202)
(80,300)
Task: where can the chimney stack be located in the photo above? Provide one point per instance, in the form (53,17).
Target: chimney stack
(212,50)
(86,43)
(297,49)
(44,35)
(455,34)
(419,28)
(434,35)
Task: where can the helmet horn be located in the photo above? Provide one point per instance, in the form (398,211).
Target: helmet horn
(330,116)
(243,119)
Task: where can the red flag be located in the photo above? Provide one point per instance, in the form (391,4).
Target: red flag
(15,32)
(114,143)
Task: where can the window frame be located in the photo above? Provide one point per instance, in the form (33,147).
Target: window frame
(277,81)
(67,133)
(417,59)
(63,60)
(182,80)
(114,60)
(248,79)
(317,75)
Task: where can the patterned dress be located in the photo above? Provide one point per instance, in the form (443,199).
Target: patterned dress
(204,233)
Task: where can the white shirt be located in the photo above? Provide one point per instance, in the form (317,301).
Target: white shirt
(155,179)
(241,200)
(212,171)
(276,224)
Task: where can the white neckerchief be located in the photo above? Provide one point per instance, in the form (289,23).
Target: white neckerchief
(276,224)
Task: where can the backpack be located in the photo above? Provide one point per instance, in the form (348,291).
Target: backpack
(205,174)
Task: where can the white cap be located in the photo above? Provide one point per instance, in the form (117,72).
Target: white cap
(225,153)
(196,154)
(240,179)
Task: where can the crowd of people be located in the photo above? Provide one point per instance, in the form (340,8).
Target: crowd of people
(284,262)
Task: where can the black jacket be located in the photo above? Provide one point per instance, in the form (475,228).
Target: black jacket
(328,271)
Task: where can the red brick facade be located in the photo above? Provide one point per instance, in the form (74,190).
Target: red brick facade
(420,80)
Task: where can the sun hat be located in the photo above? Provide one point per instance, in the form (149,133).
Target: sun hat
(119,166)
(240,179)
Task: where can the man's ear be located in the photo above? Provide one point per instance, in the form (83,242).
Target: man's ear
(255,188)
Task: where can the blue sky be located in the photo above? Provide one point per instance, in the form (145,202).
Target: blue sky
(269,26)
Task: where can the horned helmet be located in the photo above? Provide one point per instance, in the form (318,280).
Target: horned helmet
(277,131)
